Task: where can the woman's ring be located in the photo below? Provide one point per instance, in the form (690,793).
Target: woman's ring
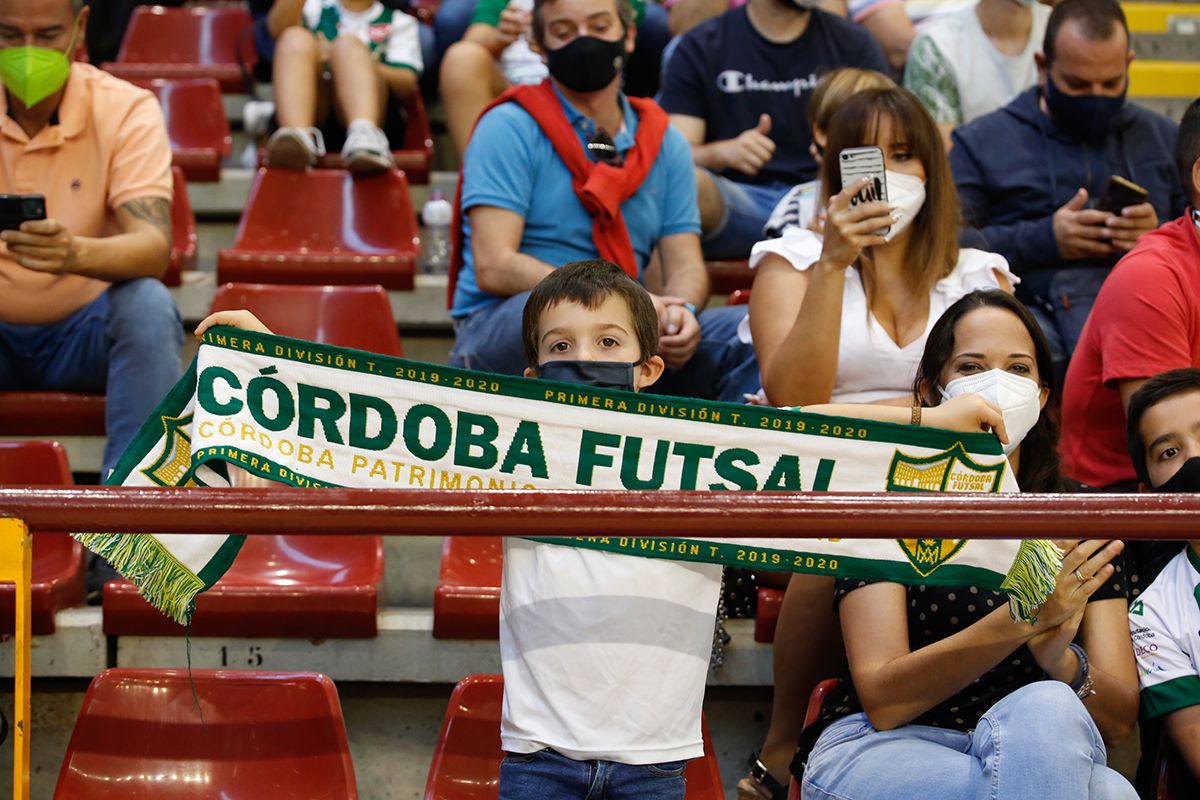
(1080,577)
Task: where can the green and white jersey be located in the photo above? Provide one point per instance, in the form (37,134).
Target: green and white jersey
(391,34)
(1165,625)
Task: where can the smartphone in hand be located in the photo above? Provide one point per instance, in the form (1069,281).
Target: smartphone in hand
(856,163)
(18,208)
(1121,193)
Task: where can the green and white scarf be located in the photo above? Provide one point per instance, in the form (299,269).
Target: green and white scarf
(312,415)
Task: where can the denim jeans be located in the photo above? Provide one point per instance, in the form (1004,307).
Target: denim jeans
(1064,309)
(549,775)
(124,343)
(748,206)
(722,368)
(1038,742)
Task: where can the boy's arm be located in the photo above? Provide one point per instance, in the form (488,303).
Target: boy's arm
(401,65)
(495,25)
(1184,729)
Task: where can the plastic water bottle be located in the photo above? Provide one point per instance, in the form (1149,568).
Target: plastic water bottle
(435,243)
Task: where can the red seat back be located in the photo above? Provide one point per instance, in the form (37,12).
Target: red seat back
(345,316)
(739,297)
(196,124)
(194,42)
(254,735)
(729,276)
(58,580)
(325,226)
(820,691)
(466,763)
(466,602)
(184,241)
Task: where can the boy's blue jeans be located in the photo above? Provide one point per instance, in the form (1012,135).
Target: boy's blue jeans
(125,343)
(549,775)
(722,368)
(1038,742)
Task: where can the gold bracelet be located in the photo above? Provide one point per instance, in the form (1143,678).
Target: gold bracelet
(916,414)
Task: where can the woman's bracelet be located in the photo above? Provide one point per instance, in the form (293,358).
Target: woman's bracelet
(916,414)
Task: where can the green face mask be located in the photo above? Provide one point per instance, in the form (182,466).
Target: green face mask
(34,73)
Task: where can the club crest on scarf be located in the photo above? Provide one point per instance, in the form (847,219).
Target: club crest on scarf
(949,471)
(175,459)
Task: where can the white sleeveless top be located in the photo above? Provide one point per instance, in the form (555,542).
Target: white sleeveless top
(871,366)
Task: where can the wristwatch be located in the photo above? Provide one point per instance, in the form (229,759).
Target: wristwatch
(1082,683)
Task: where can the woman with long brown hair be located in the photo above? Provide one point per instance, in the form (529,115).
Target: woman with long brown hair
(842,317)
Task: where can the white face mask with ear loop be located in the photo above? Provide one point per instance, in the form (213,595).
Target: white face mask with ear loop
(906,193)
(1019,400)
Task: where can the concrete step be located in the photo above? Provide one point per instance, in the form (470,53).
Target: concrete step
(1167,46)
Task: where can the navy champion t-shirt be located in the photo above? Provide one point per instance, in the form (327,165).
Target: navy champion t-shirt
(727,74)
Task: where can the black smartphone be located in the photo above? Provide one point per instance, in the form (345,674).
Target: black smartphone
(18,208)
(1120,194)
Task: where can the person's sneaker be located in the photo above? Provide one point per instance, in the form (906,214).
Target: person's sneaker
(295,148)
(366,148)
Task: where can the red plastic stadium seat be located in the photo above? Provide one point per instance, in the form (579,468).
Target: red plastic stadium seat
(184,241)
(287,586)
(1173,780)
(57,558)
(466,602)
(738,297)
(324,226)
(302,587)
(346,316)
(198,42)
(466,763)
(415,154)
(767,616)
(196,125)
(51,414)
(728,276)
(260,735)
(810,716)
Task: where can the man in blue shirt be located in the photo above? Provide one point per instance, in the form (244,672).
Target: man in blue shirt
(737,87)
(1031,174)
(522,216)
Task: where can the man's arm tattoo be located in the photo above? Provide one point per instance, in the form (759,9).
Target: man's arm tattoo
(155,210)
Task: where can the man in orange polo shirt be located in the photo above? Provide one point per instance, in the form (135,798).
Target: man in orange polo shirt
(81,306)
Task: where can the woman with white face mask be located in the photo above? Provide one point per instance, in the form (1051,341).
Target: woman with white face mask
(946,695)
(842,316)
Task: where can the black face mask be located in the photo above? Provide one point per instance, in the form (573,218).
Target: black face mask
(1085,116)
(587,64)
(600,374)
(1186,479)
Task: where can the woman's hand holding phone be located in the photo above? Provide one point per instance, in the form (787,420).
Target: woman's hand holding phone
(850,227)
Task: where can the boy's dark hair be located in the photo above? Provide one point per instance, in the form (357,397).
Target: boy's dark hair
(1187,149)
(1097,18)
(589,283)
(1148,395)
(625,14)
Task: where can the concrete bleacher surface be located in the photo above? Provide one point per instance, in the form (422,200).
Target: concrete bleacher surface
(394,686)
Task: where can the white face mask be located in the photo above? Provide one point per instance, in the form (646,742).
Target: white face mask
(907,194)
(1019,399)
(1196,218)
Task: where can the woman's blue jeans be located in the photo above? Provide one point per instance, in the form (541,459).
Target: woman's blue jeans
(1038,742)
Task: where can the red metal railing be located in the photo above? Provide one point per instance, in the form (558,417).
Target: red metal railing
(578,513)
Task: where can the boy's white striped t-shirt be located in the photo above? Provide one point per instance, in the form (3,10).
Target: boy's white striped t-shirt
(1165,624)
(605,656)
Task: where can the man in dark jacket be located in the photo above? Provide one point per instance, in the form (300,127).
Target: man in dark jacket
(1030,175)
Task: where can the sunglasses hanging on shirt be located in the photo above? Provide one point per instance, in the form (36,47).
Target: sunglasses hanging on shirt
(602,148)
